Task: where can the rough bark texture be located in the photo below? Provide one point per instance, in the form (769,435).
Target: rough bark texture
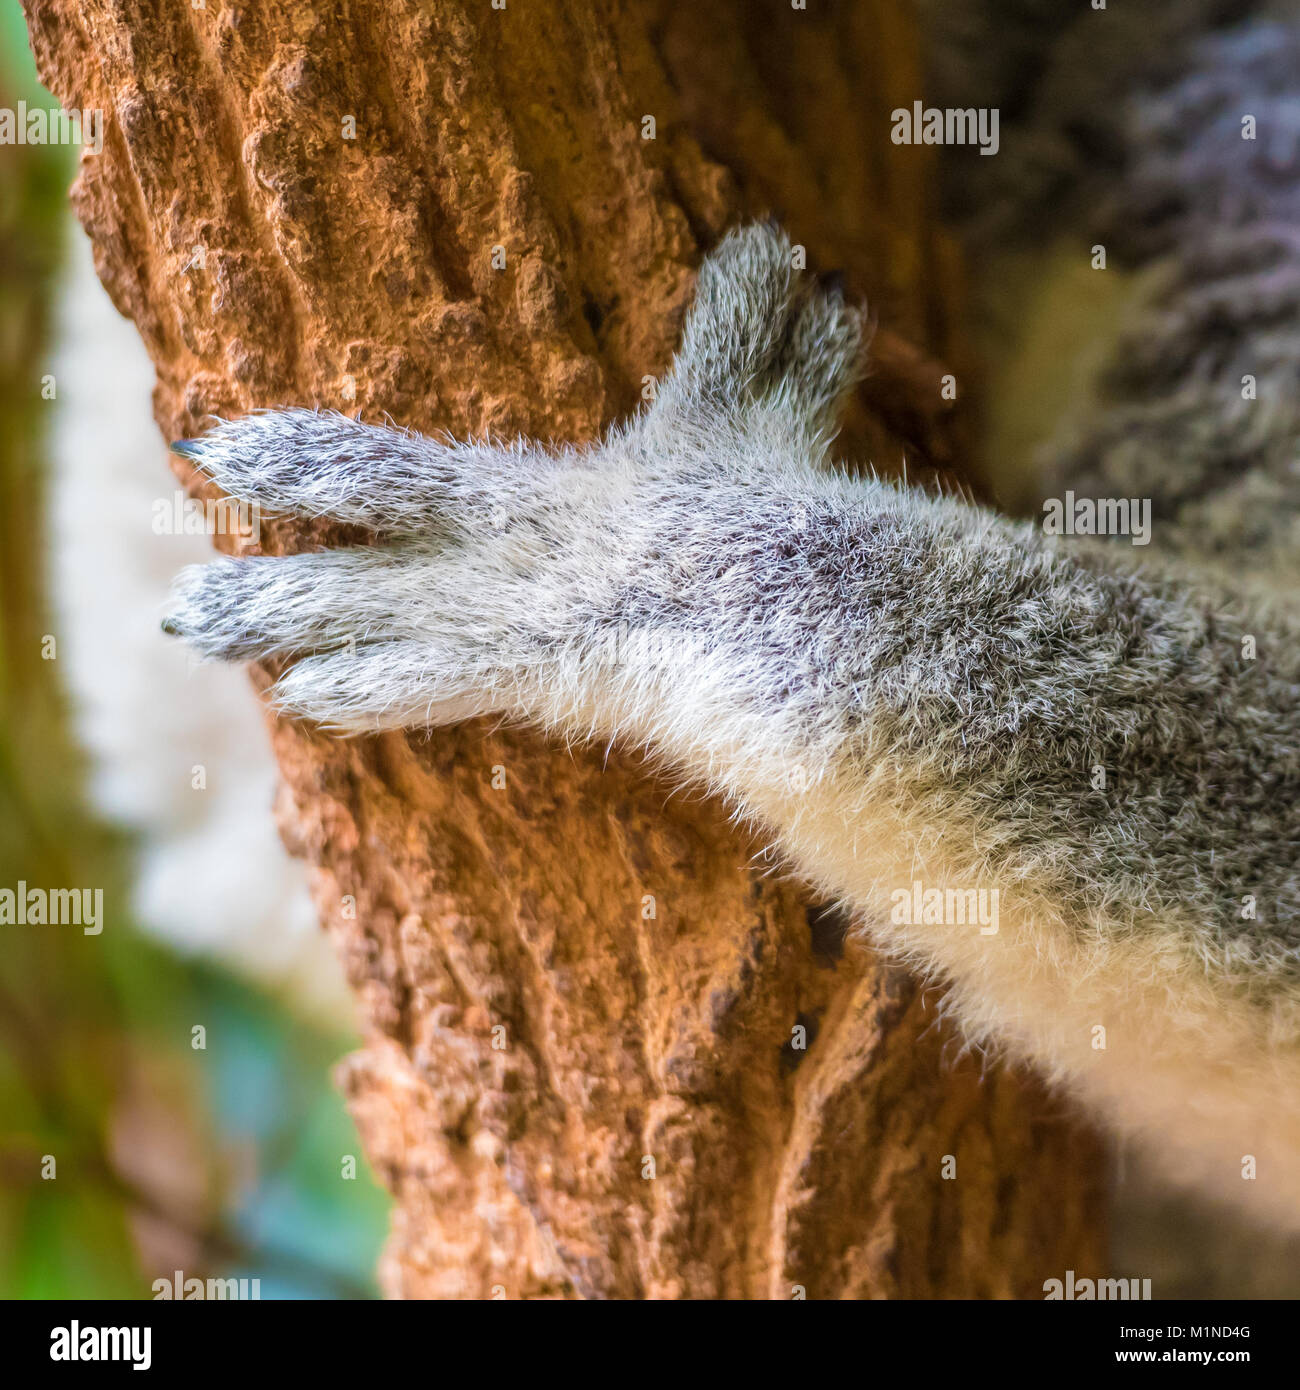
(534,1040)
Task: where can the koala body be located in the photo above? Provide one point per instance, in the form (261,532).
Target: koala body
(905,689)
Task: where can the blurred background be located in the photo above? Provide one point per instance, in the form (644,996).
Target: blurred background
(165,1093)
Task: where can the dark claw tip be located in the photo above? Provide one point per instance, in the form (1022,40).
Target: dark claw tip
(186,448)
(171,627)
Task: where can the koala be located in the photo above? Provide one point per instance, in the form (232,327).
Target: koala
(923,702)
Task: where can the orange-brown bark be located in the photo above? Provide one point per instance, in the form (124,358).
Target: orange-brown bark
(578,990)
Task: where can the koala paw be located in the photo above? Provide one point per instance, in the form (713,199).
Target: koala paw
(498,558)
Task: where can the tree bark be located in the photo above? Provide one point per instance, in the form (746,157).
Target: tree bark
(581,993)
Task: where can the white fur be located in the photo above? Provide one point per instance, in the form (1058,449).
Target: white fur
(896,685)
(143,711)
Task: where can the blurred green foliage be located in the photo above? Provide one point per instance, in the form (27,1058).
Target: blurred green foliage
(233,1153)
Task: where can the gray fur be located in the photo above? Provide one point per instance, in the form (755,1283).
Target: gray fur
(701,567)
(1215,216)
(814,645)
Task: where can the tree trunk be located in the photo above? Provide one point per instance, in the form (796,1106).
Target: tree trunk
(583,998)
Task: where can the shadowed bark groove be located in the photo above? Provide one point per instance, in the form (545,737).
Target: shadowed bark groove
(535,1038)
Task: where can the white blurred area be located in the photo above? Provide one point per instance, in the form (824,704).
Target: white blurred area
(211,875)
